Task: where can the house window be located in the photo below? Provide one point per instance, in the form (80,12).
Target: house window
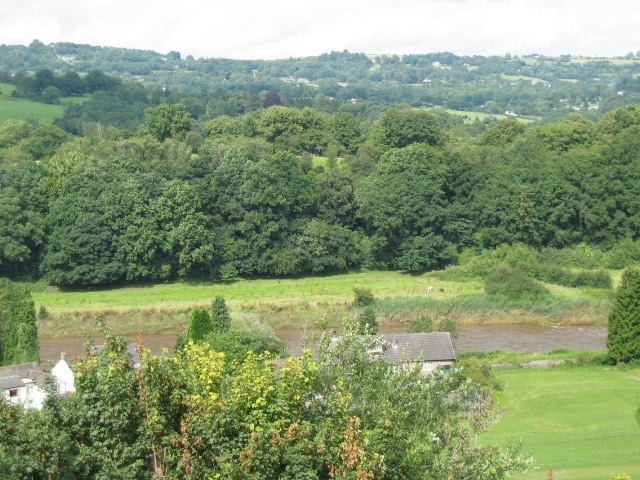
(445,368)
(427,366)
(30,390)
(13,393)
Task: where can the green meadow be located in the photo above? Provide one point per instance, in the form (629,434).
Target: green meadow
(577,420)
(515,78)
(22,109)
(470,116)
(290,303)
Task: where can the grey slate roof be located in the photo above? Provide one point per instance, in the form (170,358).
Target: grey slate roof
(23,370)
(11,381)
(422,347)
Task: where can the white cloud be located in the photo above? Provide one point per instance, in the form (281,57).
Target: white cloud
(284,28)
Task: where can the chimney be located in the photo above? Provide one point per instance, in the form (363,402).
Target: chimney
(334,336)
(62,354)
(394,344)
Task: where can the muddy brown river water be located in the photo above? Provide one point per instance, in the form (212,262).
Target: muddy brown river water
(517,338)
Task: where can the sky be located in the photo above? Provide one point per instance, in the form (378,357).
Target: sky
(270,29)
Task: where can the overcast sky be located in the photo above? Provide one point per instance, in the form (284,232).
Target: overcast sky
(268,29)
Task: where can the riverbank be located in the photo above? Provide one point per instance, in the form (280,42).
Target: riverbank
(298,303)
(519,341)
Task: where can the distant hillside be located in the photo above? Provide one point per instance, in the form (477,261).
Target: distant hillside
(537,86)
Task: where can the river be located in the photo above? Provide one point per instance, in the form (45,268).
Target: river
(515,338)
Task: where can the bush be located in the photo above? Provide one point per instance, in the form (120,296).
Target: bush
(199,325)
(448,324)
(421,324)
(236,344)
(367,323)
(363,297)
(514,284)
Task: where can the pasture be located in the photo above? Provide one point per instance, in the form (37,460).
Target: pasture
(22,109)
(516,78)
(577,420)
(289,303)
(470,116)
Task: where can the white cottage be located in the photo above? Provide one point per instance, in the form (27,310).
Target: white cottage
(24,383)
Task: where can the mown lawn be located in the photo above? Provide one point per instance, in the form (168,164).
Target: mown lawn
(579,421)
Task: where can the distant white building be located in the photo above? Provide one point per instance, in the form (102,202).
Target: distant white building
(24,384)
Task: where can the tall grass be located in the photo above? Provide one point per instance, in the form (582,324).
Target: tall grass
(497,309)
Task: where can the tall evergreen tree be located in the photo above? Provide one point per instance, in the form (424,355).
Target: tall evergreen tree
(18,330)
(623,339)
(220,317)
(200,325)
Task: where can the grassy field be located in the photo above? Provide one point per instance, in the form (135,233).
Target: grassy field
(515,78)
(21,109)
(577,420)
(470,116)
(289,303)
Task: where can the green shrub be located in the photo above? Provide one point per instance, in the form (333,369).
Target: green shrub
(237,343)
(199,325)
(514,284)
(363,297)
(448,324)
(421,324)
(220,317)
(367,323)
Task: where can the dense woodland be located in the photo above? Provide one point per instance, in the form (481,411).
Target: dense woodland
(136,183)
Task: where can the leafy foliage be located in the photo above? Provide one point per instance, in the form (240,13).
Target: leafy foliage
(513,284)
(166,121)
(220,317)
(424,323)
(367,322)
(200,325)
(194,415)
(18,330)
(448,324)
(363,297)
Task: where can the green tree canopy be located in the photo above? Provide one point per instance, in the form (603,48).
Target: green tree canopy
(400,128)
(166,121)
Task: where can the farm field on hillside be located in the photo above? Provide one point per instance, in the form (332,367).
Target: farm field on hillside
(20,109)
(579,421)
(471,116)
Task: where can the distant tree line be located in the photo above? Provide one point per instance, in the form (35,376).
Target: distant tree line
(534,85)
